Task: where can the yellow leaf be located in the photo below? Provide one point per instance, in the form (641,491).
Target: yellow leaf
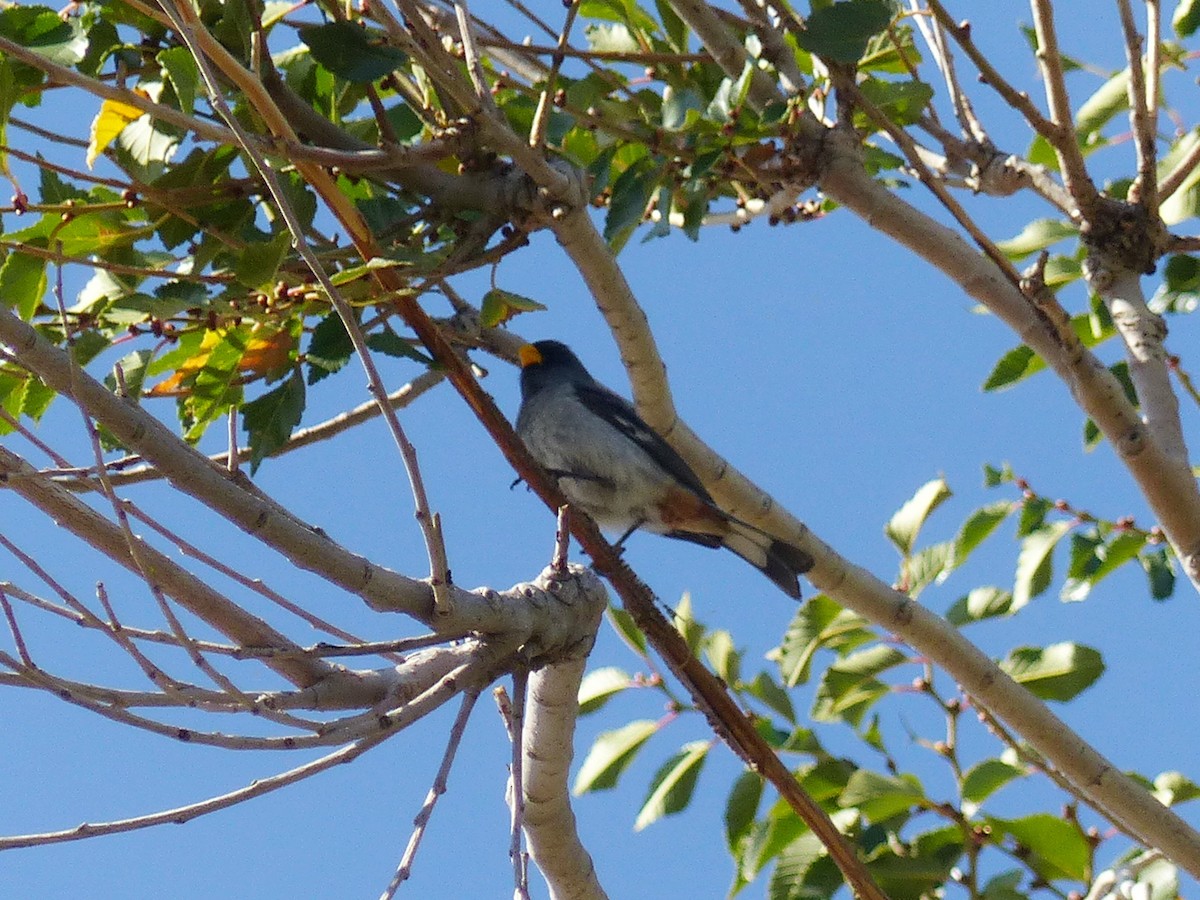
(267,351)
(109,122)
(174,384)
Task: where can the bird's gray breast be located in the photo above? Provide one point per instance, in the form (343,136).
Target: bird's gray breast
(598,468)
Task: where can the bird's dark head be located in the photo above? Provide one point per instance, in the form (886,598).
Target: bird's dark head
(548,362)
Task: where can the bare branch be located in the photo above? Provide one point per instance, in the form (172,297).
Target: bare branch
(439,787)
(1062,138)
(541,115)
(520,859)
(15,629)
(431,699)
(935,40)
(119,473)
(1143,110)
(195,595)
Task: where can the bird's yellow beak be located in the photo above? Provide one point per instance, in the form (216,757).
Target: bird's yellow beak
(529,355)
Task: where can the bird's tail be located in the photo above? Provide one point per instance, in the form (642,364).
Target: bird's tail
(778,560)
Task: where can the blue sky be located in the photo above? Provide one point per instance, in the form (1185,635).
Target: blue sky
(834,369)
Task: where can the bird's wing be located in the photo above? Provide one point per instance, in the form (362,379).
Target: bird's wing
(620,414)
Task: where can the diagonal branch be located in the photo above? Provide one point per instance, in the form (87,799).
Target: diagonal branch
(200,599)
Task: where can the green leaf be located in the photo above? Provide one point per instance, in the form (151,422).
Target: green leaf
(672,787)
(213,390)
(611,39)
(1084,560)
(1111,99)
(1035,564)
(348,50)
(23,283)
(674,27)
(723,656)
(892,51)
(1005,887)
(601,685)
(180,68)
(329,349)
(879,797)
(612,752)
(796,861)
(981,603)
(976,529)
(927,565)
(819,622)
(872,735)
(627,11)
(1056,848)
(993,477)
(741,807)
(1104,559)
(622,622)
(906,523)
(133,373)
(389,343)
(259,261)
(1058,672)
(839,33)
(1173,788)
(985,778)
(903,102)
(849,687)
(1183,203)
(677,103)
(686,624)
(269,420)
(1037,235)
(89,344)
(1015,365)
(1186,19)
(36,397)
(631,194)
(499,307)
(1182,272)
(1160,572)
(1033,515)
(45,32)
(774,697)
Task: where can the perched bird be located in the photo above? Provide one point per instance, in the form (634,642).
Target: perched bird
(618,470)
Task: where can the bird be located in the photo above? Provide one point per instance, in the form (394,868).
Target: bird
(609,463)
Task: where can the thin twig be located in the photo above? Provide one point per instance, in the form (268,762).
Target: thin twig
(134,544)
(1142,115)
(181,814)
(421,822)
(541,116)
(101,702)
(153,672)
(520,859)
(931,181)
(504,707)
(20,429)
(79,478)
(13,627)
(255,584)
(562,541)
(1062,137)
(935,39)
